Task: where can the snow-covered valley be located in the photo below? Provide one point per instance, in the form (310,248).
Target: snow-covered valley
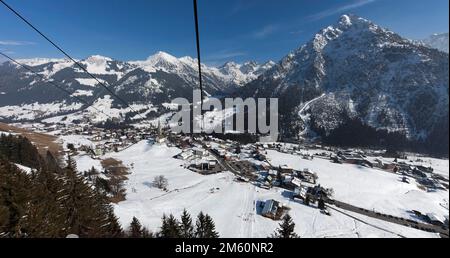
(234,205)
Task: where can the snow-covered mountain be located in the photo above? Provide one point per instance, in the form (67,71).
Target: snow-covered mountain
(240,74)
(157,80)
(351,71)
(356,69)
(438,41)
(216,79)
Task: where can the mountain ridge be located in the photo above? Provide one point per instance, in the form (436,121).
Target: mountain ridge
(356,69)
(351,70)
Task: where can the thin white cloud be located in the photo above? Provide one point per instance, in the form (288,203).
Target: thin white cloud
(343,8)
(265,31)
(15,43)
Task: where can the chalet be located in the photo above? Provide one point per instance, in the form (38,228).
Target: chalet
(307,156)
(435,219)
(355,159)
(418,173)
(425,169)
(300,192)
(270,209)
(375,163)
(206,165)
(199,152)
(392,167)
(311,193)
(296,182)
(185,155)
(404,166)
(285,169)
(428,183)
(287,180)
(308,176)
(336,159)
(273,173)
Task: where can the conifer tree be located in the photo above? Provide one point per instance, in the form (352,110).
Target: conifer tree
(113,227)
(135,230)
(170,227)
(146,233)
(286,229)
(50,204)
(71,164)
(186,226)
(205,227)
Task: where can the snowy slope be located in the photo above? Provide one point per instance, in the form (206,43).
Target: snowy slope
(366,72)
(368,188)
(157,80)
(232,205)
(216,79)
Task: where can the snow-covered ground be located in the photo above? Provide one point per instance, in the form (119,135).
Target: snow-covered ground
(85,163)
(233,205)
(369,188)
(35,110)
(76,140)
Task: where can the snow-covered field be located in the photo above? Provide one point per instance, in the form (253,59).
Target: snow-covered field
(85,163)
(369,188)
(76,140)
(35,110)
(233,205)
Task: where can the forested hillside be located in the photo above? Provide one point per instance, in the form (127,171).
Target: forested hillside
(51,201)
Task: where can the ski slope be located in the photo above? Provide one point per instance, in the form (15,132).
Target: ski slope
(232,205)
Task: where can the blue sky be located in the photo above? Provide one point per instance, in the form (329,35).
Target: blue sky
(231,30)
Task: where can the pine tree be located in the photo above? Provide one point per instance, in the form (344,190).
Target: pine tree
(135,230)
(210,228)
(71,164)
(48,203)
(186,226)
(146,233)
(170,227)
(286,229)
(205,227)
(14,194)
(87,212)
(92,174)
(113,227)
(51,162)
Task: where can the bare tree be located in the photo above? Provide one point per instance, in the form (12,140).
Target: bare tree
(160,182)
